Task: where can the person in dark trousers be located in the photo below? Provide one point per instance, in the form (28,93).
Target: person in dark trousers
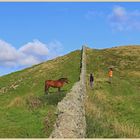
(91,80)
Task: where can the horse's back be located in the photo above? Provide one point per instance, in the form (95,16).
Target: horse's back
(54,83)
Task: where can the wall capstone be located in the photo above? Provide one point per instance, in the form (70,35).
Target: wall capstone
(71,122)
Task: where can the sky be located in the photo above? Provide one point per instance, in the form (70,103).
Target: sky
(34,32)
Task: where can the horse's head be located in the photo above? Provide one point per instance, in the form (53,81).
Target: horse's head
(64,80)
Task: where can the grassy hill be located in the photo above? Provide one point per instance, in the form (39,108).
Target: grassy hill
(25,111)
(113,110)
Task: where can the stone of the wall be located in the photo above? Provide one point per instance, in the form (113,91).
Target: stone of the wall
(71,122)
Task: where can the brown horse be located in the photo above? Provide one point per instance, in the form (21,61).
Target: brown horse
(55,84)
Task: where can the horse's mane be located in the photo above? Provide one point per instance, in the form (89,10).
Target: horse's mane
(62,79)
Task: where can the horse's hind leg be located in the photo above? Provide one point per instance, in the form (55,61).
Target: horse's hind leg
(46,89)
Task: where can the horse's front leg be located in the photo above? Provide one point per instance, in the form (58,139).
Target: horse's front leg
(59,89)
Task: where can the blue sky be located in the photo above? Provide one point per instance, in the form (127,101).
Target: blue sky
(33,32)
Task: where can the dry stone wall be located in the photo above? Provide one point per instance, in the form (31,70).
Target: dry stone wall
(71,122)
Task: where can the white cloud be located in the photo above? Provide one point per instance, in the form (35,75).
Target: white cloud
(55,48)
(122,19)
(8,54)
(7,51)
(29,54)
(28,60)
(119,18)
(36,47)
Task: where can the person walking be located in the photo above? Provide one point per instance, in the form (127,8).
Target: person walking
(91,80)
(110,74)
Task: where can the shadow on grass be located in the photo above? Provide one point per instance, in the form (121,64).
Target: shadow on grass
(53,97)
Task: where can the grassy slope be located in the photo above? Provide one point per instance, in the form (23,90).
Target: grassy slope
(25,110)
(114,110)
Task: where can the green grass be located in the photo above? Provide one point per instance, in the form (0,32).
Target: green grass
(112,111)
(25,110)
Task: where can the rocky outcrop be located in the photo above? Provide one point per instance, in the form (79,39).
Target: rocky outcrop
(71,122)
